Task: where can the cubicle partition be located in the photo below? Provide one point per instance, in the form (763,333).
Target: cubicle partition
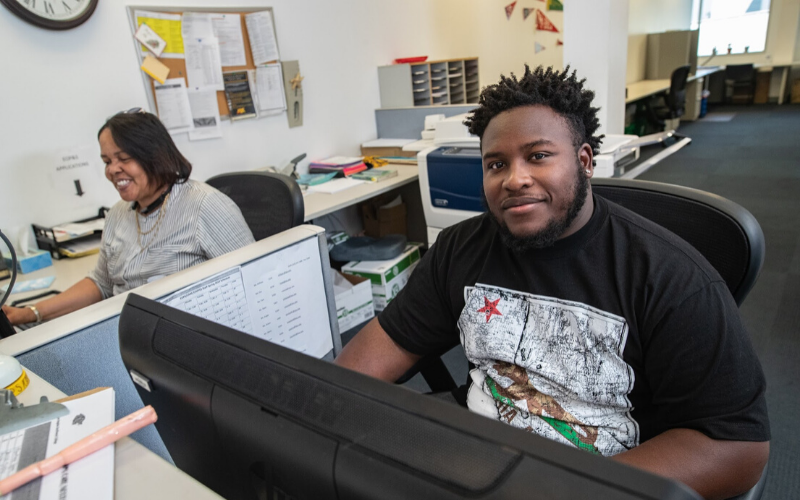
(80,351)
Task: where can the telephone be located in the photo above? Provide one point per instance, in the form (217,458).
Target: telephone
(290,170)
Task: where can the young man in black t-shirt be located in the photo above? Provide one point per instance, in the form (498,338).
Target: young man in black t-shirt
(586,323)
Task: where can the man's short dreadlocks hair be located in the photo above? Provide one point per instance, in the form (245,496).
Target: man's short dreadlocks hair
(561,91)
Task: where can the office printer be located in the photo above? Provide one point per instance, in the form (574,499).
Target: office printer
(450,176)
(451,172)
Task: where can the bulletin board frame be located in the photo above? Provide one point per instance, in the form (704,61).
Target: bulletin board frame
(177,67)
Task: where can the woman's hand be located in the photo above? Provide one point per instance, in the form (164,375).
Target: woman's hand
(19,315)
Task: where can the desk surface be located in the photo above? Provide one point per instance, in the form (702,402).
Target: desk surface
(67,273)
(319,204)
(645,88)
(138,472)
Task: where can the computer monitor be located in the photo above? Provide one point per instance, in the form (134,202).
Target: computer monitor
(254,420)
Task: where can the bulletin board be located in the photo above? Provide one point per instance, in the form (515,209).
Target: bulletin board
(177,67)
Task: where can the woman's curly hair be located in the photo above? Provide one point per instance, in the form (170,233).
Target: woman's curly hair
(561,91)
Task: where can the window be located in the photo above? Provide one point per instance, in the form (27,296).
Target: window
(730,26)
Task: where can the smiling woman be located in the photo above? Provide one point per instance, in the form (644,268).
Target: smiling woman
(163,224)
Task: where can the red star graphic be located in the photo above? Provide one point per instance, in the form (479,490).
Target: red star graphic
(490,308)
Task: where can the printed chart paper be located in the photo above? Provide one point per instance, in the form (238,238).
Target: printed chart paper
(203,66)
(174,110)
(279,297)
(220,299)
(261,31)
(269,86)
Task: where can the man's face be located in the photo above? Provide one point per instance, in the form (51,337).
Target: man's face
(534,182)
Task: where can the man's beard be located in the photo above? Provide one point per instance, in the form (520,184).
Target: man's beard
(555,227)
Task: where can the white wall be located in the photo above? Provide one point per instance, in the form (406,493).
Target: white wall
(595,45)
(655,16)
(59,87)
(503,45)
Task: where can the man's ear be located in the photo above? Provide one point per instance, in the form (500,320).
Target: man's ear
(586,159)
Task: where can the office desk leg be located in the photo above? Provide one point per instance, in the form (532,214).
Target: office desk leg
(784,80)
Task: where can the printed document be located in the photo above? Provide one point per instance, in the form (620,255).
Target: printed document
(226,28)
(203,66)
(279,297)
(174,110)
(166,26)
(205,114)
(261,31)
(90,478)
(269,86)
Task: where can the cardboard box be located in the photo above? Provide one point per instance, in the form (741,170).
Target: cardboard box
(388,277)
(387,151)
(33,261)
(380,221)
(354,305)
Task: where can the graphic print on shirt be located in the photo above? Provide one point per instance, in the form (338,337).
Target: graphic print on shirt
(549,366)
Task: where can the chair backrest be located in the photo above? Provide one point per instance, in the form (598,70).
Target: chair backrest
(727,235)
(676,99)
(740,72)
(270,203)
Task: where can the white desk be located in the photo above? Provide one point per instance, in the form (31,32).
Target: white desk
(138,472)
(319,204)
(67,273)
(646,88)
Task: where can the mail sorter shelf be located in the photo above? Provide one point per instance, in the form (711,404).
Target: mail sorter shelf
(46,236)
(431,83)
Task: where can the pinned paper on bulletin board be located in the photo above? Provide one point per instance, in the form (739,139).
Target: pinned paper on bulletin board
(293,86)
(155,68)
(166,26)
(527,12)
(555,5)
(150,39)
(510,9)
(544,24)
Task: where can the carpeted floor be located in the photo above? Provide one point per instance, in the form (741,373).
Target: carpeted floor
(754,160)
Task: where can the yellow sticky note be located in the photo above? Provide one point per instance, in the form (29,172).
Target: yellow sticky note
(155,69)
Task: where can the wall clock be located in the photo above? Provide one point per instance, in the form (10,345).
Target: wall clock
(52,14)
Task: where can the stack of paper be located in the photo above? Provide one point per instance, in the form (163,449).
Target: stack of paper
(90,478)
(335,186)
(342,165)
(66,232)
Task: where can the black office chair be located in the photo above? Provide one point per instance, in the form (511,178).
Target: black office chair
(270,203)
(673,105)
(727,235)
(740,83)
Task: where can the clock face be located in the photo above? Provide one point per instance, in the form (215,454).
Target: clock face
(52,14)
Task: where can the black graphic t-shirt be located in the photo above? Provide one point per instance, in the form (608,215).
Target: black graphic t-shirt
(610,337)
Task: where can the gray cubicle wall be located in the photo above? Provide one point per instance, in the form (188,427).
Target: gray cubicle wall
(80,351)
(407,123)
(88,359)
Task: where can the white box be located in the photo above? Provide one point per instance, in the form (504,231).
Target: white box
(354,303)
(388,277)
